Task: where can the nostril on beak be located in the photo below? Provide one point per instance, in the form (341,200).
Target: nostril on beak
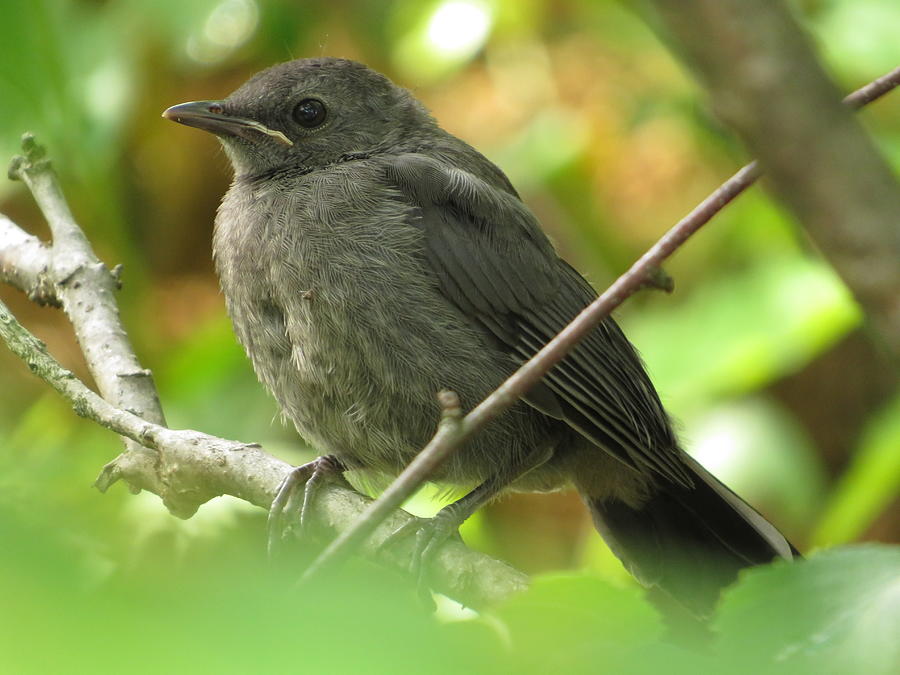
(215,109)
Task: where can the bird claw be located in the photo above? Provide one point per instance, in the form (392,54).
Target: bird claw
(430,535)
(288,497)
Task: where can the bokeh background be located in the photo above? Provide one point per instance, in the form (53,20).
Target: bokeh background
(761,353)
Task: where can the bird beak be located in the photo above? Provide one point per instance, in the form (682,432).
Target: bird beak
(210,116)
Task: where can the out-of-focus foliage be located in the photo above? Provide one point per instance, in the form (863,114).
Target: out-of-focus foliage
(761,354)
(65,611)
(870,482)
(835,613)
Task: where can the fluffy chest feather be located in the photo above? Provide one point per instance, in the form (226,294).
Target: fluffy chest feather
(330,295)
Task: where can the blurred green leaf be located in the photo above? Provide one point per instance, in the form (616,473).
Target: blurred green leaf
(232,613)
(67,77)
(569,623)
(870,483)
(201,603)
(838,612)
(742,331)
(553,140)
(174,20)
(859,37)
(222,395)
(435,38)
(760,451)
(49,461)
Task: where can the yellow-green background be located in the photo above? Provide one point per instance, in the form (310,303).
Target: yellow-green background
(760,354)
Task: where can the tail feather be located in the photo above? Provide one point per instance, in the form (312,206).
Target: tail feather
(691,542)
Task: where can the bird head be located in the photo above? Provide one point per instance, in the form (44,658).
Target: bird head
(309,113)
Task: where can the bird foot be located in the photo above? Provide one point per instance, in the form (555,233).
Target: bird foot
(295,495)
(430,535)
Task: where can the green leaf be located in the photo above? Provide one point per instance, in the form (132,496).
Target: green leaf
(743,331)
(435,38)
(222,610)
(859,37)
(576,623)
(838,612)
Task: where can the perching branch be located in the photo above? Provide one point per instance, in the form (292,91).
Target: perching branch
(766,82)
(529,374)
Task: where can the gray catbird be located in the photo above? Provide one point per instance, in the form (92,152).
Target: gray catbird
(370,259)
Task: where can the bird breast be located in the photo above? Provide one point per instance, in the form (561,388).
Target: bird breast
(329,292)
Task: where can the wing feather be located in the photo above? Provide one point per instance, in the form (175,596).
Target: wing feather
(492,260)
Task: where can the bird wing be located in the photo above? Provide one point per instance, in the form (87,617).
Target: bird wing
(492,260)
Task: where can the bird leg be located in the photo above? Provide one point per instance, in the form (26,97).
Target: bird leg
(304,480)
(431,533)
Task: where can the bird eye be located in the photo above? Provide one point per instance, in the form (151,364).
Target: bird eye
(309,113)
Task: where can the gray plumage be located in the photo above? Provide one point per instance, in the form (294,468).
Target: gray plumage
(370,259)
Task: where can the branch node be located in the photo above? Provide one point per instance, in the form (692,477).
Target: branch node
(43,293)
(109,475)
(14,172)
(34,158)
(451,410)
(658,279)
(66,276)
(33,150)
(147,436)
(116,273)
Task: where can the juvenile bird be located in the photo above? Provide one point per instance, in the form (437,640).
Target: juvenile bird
(370,259)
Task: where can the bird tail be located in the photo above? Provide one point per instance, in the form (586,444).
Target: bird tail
(689,541)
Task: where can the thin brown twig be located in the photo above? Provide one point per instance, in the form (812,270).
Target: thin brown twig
(874,90)
(530,373)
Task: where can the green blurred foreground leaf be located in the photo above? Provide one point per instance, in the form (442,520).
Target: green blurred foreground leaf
(572,623)
(838,612)
(231,614)
(66,609)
